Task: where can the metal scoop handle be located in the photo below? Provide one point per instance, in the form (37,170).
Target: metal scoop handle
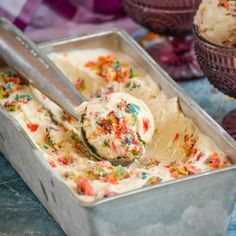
(23,55)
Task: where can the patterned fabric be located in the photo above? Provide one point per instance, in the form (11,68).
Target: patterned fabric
(45,20)
(20,12)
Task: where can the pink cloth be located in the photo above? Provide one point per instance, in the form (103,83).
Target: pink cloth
(20,12)
(44,20)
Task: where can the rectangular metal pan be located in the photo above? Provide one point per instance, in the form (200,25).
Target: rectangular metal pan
(194,205)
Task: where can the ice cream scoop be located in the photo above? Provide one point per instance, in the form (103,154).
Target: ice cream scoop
(135,124)
(117,127)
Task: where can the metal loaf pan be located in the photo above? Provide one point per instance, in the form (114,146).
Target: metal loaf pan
(194,205)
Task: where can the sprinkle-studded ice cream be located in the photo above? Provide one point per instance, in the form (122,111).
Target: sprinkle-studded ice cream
(216,20)
(174,146)
(117,127)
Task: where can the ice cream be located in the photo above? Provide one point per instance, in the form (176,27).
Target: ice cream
(178,148)
(117,127)
(216,20)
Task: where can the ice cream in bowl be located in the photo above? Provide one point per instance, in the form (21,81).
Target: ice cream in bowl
(215,43)
(215,46)
(115,127)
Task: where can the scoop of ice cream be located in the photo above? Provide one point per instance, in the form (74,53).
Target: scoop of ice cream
(216,20)
(117,126)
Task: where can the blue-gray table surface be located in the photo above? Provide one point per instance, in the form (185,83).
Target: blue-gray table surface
(22,214)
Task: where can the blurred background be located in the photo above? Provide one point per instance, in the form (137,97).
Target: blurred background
(44,20)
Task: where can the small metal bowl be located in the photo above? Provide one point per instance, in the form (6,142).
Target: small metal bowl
(217,62)
(162,16)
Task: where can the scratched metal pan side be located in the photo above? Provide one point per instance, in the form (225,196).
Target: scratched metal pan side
(119,40)
(195,208)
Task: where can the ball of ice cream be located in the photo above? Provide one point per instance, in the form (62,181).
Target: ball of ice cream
(118,126)
(216,20)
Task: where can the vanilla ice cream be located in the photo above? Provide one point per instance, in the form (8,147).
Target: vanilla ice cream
(170,146)
(117,126)
(216,20)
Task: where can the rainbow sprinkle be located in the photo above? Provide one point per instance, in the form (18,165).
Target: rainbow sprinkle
(112,69)
(23,98)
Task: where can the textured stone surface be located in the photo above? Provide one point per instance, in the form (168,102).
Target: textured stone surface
(20,211)
(22,214)
(6,171)
(215,103)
